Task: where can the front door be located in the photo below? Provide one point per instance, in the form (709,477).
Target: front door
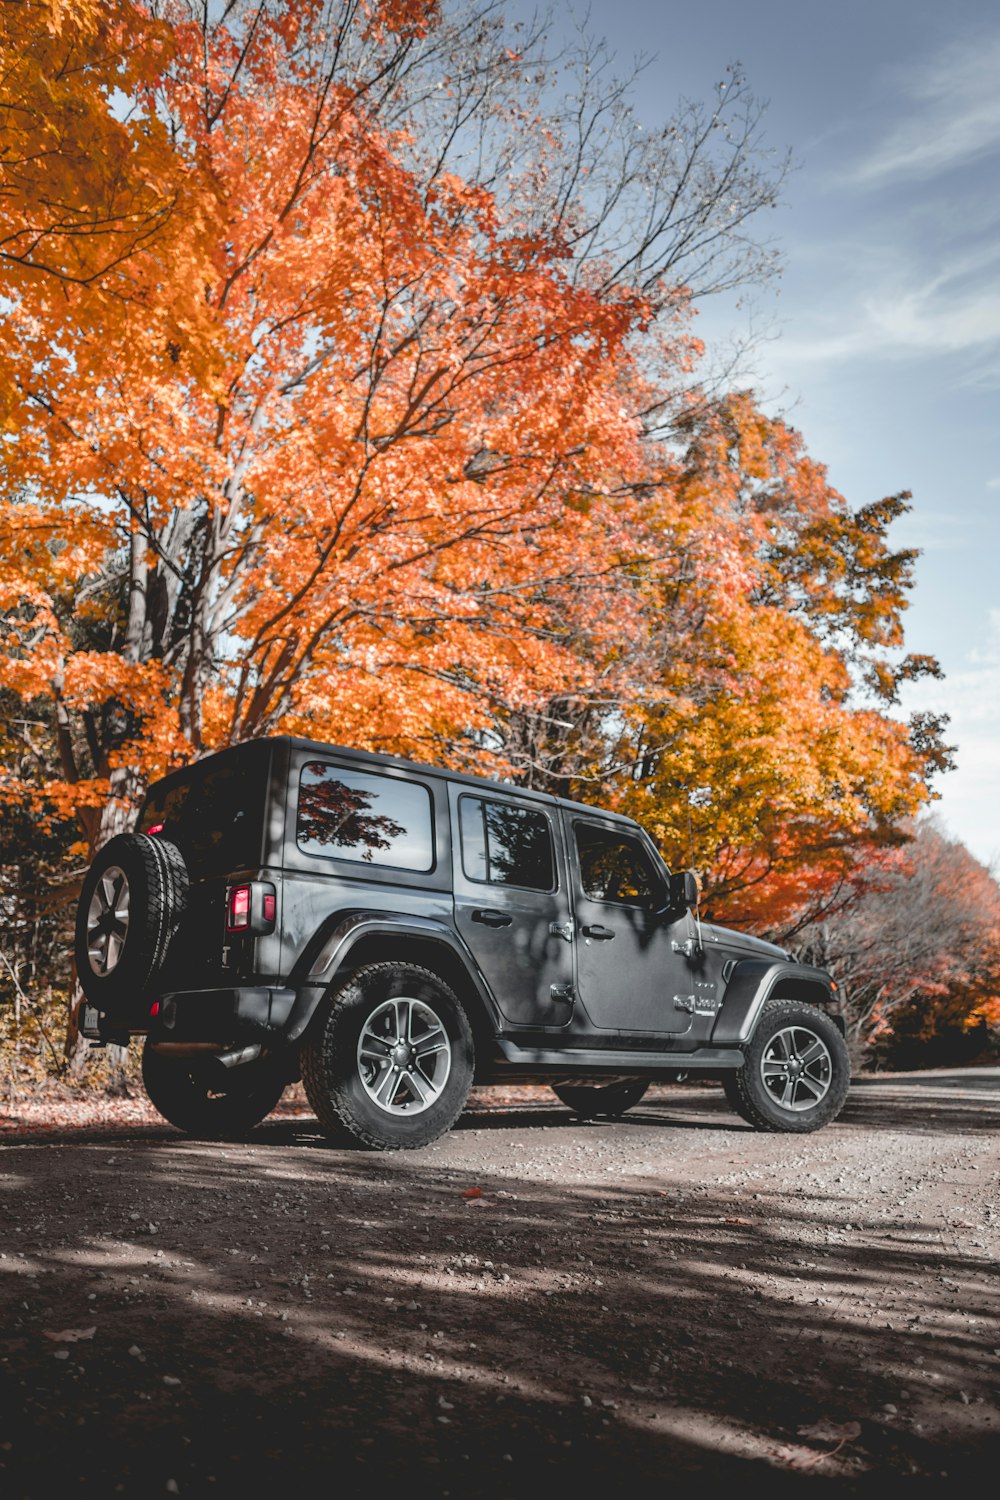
(629,976)
(511,905)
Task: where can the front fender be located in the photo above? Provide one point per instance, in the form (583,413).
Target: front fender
(330,955)
(752,982)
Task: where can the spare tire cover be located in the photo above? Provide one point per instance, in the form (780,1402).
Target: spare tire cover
(132,901)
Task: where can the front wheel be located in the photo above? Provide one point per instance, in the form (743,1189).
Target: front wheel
(796,1073)
(389,1059)
(190,1095)
(590,1100)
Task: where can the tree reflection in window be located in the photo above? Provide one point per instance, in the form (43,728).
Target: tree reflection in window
(616,868)
(349,815)
(506,845)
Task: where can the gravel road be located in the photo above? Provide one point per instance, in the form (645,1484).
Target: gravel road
(531,1304)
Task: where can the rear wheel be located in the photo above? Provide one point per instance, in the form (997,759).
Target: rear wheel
(608,1100)
(197,1097)
(389,1060)
(797,1070)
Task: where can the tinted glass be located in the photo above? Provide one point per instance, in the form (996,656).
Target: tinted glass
(215,815)
(506,845)
(614,867)
(470,811)
(352,815)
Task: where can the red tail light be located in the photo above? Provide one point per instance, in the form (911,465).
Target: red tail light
(251,907)
(156,828)
(238,915)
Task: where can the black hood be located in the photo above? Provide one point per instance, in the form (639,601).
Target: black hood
(742,942)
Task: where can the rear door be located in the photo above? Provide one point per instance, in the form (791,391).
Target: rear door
(511,903)
(214,812)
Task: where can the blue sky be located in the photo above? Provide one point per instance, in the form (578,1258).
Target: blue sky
(883,342)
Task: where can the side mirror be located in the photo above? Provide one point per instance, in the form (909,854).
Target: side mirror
(684,890)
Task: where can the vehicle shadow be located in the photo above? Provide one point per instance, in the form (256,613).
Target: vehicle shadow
(230,1319)
(985,1080)
(940,1103)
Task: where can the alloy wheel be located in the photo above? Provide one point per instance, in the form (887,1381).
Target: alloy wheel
(796,1068)
(108,920)
(404,1056)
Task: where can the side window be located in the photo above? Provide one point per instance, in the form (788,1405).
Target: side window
(615,867)
(506,845)
(381,820)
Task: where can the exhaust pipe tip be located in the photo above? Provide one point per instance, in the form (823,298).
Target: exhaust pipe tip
(240,1056)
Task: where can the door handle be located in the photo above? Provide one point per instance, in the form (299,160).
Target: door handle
(603,933)
(492,918)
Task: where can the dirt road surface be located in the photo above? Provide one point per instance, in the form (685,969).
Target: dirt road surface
(532,1305)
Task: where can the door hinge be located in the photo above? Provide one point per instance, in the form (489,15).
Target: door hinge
(685,1002)
(563,992)
(690,948)
(562,929)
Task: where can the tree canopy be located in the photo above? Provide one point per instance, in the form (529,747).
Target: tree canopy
(350,388)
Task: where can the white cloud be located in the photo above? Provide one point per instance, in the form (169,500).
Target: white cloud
(950,116)
(954,311)
(970,795)
(936,530)
(923,319)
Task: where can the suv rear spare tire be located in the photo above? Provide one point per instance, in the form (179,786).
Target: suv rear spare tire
(389,1059)
(133,898)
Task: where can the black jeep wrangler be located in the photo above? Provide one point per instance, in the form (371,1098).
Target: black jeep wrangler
(392,933)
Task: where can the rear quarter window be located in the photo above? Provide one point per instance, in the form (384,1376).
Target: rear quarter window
(356,815)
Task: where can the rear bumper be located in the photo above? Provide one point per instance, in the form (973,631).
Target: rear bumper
(246,1013)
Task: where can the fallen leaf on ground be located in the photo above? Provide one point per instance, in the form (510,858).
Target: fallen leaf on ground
(70,1335)
(825,1431)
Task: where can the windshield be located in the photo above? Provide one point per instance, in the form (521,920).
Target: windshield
(214,811)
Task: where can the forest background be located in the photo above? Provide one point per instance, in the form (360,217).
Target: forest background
(349,387)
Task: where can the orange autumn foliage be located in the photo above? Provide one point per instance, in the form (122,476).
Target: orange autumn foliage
(309,430)
(94,194)
(918,958)
(745,717)
(388,389)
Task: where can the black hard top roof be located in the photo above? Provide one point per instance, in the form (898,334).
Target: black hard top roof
(377,760)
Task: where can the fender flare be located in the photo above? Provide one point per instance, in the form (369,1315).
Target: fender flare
(328,956)
(753,982)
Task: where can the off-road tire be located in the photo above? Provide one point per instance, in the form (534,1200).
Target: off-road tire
(332,1069)
(601,1100)
(189,1093)
(157,882)
(747,1093)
